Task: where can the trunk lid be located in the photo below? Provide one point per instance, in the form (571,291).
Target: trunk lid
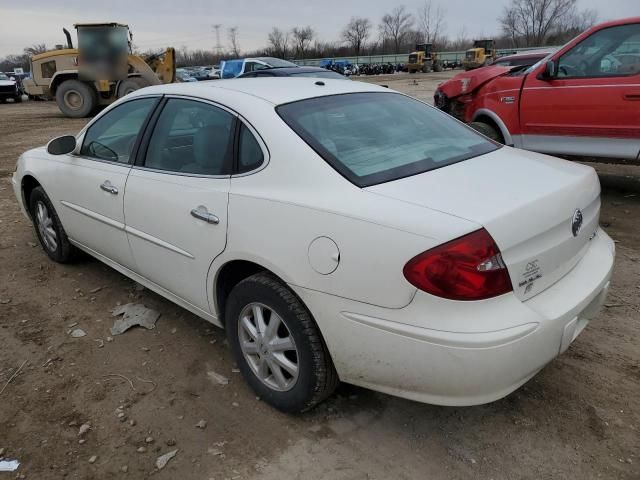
(528,203)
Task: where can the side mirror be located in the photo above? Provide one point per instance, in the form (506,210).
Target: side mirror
(550,70)
(62,145)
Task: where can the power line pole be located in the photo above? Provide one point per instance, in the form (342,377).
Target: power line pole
(218,48)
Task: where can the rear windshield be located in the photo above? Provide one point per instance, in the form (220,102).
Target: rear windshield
(372,138)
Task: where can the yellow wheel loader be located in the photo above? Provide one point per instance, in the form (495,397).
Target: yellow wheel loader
(482,53)
(424,59)
(101,70)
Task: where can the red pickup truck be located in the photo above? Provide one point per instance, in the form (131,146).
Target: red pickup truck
(584,99)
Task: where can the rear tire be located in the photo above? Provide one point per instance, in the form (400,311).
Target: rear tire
(488,131)
(76,99)
(131,85)
(49,228)
(250,308)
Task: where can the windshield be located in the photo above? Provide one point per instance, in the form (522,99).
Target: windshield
(3,77)
(276,62)
(372,138)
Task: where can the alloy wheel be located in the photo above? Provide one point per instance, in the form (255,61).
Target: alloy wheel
(268,347)
(45,227)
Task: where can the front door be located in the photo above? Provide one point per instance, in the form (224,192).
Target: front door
(176,198)
(90,185)
(592,105)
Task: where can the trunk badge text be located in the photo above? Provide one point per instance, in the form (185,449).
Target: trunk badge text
(576,222)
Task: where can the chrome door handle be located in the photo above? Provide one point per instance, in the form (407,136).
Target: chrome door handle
(107,187)
(201,213)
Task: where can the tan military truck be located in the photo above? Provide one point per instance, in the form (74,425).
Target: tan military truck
(101,70)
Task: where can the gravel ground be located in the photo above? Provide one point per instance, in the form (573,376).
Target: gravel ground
(144,392)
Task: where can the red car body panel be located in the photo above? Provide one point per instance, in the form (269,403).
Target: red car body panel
(580,115)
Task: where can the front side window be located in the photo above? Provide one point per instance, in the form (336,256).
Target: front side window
(610,52)
(191,137)
(113,135)
(250,154)
(372,138)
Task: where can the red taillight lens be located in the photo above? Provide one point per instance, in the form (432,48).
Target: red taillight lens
(467,268)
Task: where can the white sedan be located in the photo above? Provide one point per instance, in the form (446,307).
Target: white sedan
(337,230)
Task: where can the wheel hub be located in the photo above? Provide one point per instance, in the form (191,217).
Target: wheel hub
(45,227)
(268,347)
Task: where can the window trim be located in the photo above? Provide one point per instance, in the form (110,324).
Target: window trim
(80,137)
(591,77)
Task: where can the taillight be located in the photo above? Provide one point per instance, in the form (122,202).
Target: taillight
(467,268)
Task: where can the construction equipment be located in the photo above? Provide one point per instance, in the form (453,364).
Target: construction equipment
(482,53)
(101,70)
(424,59)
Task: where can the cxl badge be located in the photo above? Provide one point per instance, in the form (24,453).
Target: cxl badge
(576,222)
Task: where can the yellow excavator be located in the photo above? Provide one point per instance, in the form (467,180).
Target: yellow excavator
(482,53)
(101,70)
(424,59)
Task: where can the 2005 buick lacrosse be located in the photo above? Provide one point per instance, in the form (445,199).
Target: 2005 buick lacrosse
(338,231)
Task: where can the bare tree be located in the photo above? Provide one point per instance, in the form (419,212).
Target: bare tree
(35,49)
(532,22)
(356,33)
(431,21)
(232,33)
(302,37)
(461,41)
(396,25)
(278,42)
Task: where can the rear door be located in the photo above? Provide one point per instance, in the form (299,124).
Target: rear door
(90,184)
(592,106)
(177,196)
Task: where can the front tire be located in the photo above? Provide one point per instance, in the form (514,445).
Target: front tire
(48,227)
(488,131)
(277,345)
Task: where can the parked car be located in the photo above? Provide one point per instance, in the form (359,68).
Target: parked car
(213,71)
(9,88)
(183,75)
(235,68)
(315,72)
(337,230)
(580,100)
(199,73)
(522,59)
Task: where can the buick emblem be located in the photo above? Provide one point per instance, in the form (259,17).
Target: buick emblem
(576,222)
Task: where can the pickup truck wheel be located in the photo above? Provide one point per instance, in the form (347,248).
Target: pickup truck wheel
(76,99)
(488,131)
(49,229)
(277,345)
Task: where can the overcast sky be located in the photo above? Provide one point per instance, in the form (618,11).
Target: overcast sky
(177,23)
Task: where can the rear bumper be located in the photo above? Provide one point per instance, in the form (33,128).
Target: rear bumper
(461,353)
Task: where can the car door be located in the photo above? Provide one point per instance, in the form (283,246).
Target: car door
(591,106)
(177,195)
(90,183)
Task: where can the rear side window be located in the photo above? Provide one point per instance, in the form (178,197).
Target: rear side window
(372,138)
(250,154)
(191,137)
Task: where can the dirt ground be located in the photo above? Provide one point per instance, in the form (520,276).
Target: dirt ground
(144,392)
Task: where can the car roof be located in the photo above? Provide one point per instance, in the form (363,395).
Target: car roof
(284,71)
(276,91)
